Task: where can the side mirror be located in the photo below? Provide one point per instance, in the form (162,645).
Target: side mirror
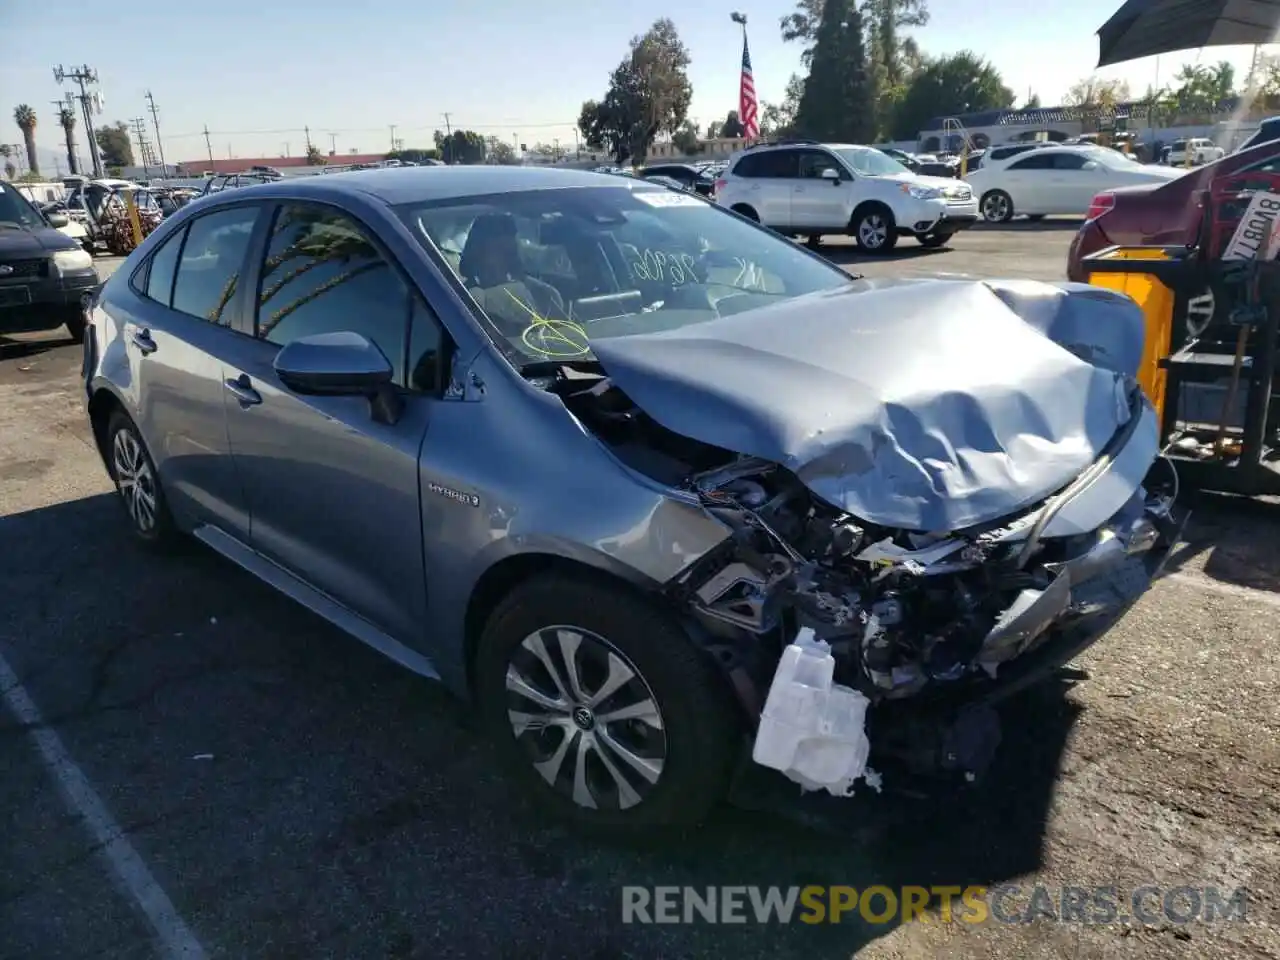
(1090,165)
(830,173)
(57,219)
(342,364)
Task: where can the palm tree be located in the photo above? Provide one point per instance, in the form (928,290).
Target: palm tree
(67,120)
(25,118)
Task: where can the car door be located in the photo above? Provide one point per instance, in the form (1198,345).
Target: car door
(1026,180)
(1075,180)
(333,492)
(817,202)
(179,336)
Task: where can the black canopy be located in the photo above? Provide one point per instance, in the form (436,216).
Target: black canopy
(1145,28)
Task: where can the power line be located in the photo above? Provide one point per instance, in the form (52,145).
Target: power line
(280,131)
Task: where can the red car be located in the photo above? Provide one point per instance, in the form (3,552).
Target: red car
(1166,214)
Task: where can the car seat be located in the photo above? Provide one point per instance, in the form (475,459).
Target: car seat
(491,269)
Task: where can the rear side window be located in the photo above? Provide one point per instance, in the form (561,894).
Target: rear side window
(212,261)
(164,265)
(1069,161)
(771,164)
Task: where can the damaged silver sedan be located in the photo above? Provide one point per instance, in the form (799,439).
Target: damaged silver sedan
(660,492)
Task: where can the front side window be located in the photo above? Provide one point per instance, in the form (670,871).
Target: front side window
(16,213)
(212,262)
(1038,161)
(322,274)
(553,270)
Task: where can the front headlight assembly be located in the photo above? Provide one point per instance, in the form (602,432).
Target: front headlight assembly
(72,261)
(922,193)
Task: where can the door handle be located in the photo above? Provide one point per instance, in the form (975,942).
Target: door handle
(142,340)
(242,391)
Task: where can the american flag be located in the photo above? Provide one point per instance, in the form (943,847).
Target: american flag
(748,109)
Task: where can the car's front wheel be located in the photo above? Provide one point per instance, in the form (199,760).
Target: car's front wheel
(997,207)
(874,228)
(602,707)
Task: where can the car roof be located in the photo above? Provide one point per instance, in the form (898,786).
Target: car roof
(396,185)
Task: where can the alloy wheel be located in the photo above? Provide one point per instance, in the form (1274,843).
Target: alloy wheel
(873,231)
(995,208)
(135,480)
(585,718)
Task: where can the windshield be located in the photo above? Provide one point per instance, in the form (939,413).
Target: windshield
(15,211)
(869,162)
(553,270)
(1179,145)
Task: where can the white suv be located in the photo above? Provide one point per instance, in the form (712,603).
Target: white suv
(1202,151)
(803,188)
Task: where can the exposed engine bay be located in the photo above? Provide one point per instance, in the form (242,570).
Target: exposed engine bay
(904,614)
(900,609)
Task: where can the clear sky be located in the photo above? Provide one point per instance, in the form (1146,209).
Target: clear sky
(258,73)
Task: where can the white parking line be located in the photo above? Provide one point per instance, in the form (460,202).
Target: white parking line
(175,938)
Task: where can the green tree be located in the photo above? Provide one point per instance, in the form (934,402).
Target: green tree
(501,152)
(881,19)
(950,86)
(1033,102)
(732,126)
(839,98)
(1200,89)
(414,155)
(114,144)
(1091,91)
(67,120)
(778,119)
(460,146)
(649,94)
(314,157)
(25,118)
(687,140)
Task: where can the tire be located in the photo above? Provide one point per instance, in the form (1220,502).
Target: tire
(1035,217)
(698,729)
(743,210)
(874,229)
(814,241)
(135,477)
(934,240)
(996,206)
(74,321)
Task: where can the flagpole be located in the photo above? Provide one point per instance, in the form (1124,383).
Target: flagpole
(741,19)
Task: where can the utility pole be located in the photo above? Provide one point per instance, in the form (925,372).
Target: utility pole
(155,121)
(307,131)
(393,137)
(83,76)
(140,131)
(333,144)
(448,139)
(61,105)
(208,144)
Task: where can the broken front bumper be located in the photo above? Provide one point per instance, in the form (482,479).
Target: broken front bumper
(956,730)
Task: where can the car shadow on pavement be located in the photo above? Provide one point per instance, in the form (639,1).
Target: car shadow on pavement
(15,349)
(1233,540)
(1023,225)
(292,787)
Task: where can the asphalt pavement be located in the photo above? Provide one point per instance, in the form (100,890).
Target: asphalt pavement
(192,763)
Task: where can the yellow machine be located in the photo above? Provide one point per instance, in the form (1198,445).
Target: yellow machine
(1151,288)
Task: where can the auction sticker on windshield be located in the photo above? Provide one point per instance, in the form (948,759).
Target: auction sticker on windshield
(669,198)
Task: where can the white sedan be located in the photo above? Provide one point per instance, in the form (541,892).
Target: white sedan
(1057,180)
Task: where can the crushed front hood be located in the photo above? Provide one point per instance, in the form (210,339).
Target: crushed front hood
(929,406)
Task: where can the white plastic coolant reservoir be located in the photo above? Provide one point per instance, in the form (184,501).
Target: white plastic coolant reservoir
(811,729)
